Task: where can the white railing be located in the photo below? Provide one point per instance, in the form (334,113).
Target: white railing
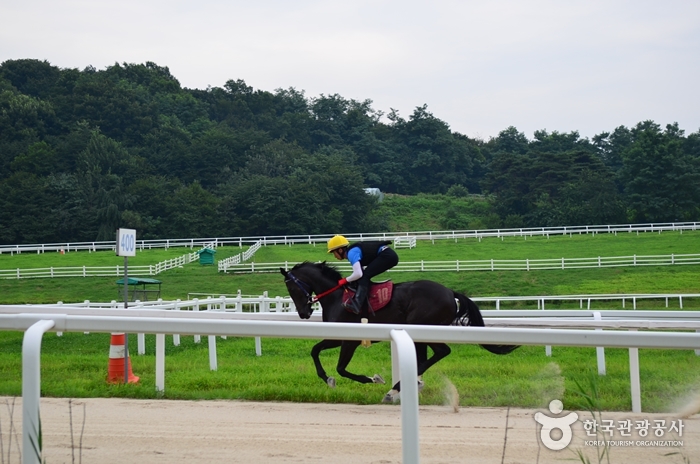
(282,308)
(179,261)
(224,264)
(102,271)
(275,307)
(141,245)
(502,264)
(409,266)
(405,242)
(313,239)
(266,303)
(403,353)
(75,271)
(587,300)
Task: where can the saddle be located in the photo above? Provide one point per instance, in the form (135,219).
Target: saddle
(379,295)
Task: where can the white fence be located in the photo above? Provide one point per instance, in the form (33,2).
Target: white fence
(621,300)
(401,336)
(224,264)
(405,242)
(265,303)
(503,264)
(279,308)
(274,308)
(312,239)
(102,271)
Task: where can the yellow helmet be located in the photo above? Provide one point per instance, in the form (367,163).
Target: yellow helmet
(336,242)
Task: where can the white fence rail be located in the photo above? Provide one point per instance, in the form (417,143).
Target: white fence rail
(102,271)
(503,264)
(279,308)
(311,239)
(587,300)
(224,264)
(266,303)
(405,242)
(401,336)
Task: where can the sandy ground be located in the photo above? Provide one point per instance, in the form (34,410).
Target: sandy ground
(175,432)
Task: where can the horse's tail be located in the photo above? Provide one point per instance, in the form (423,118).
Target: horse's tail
(469,315)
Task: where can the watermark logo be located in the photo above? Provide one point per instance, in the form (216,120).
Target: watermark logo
(556,432)
(561,424)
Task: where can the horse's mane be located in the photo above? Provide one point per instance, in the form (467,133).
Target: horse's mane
(326,269)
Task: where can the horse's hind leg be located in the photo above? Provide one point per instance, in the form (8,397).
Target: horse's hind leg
(421,357)
(316,351)
(440,351)
(347,350)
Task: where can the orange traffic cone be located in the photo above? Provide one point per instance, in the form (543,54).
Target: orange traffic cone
(116,361)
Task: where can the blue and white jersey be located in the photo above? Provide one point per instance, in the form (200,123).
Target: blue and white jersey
(354,255)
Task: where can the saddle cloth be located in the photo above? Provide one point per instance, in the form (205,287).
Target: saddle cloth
(379,294)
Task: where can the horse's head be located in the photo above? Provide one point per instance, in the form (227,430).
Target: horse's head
(305,279)
(300,292)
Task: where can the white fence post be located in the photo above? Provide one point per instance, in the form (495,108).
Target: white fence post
(176,337)
(197,338)
(600,351)
(212,353)
(409,396)
(140,337)
(31,390)
(160,363)
(634,380)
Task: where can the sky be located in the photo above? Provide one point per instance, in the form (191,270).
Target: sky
(480,66)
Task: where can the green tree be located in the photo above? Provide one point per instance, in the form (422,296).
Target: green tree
(547,189)
(33,78)
(24,202)
(39,159)
(24,121)
(283,190)
(151,207)
(193,213)
(661,180)
(433,157)
(101,169)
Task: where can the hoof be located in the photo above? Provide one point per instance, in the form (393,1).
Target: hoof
(331,382)
(391,397)
(378,379)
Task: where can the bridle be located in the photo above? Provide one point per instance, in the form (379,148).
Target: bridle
(303,286)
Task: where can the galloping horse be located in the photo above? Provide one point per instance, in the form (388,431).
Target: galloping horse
(419,302)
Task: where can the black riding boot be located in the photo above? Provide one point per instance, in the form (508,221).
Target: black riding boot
(358,300)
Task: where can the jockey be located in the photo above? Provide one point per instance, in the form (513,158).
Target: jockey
(367,259)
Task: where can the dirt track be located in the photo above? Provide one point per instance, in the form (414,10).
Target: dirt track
(179,432)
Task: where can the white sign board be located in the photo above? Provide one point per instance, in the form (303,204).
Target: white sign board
(126,242)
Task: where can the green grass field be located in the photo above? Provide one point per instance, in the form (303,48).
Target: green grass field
(195,278)
(75,365)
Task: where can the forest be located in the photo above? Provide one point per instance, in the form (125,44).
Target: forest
(84,152)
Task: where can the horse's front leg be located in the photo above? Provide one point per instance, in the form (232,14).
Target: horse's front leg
(316,351)
(347,350)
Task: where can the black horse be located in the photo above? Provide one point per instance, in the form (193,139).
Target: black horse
(419,302)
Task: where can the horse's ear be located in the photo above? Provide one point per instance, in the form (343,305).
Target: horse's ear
(283,271)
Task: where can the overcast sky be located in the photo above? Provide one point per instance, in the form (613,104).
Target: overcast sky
(480,66)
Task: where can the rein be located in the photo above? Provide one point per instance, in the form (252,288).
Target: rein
(304,287)
(327,292)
